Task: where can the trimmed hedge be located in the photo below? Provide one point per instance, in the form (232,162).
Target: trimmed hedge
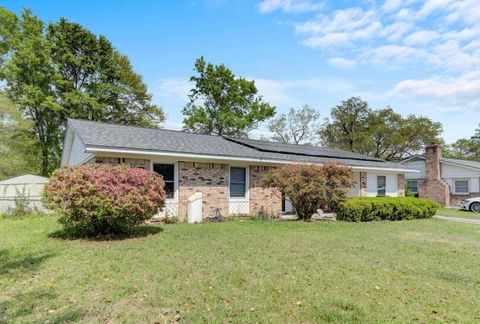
(366,209)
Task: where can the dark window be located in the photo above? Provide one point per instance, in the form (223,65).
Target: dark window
(461,186)
(168,173)
(238,182)
(381,186)
(412,185)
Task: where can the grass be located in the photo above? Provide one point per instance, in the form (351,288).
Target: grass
(453,212)
(243,271)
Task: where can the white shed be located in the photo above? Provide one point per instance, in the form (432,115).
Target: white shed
(28,184)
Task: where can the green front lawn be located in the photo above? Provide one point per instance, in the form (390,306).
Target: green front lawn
(453,212)
(244,271)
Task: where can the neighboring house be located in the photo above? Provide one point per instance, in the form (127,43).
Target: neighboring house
(28,185)
(448,181)
(227,171)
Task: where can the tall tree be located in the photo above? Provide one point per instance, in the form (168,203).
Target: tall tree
(396,137)
(18,148)
(349,126)
(223,104)
(465,148)
(382,133)
(64,71)
(299,126)
(29,73)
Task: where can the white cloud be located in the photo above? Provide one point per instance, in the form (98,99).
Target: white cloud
(343,63)
(391,5)
(328,40)
(432,34)
(267,6)
(172,88)
(342,28)
(394,56)
(431,6)
(169,124)
(350,19)
(421,37)
(394,5)
(288,93)
(457,94)
(397,30)
(465,11)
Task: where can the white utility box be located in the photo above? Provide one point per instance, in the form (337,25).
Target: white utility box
(194,208)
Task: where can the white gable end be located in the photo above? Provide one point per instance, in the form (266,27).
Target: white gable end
(77,154)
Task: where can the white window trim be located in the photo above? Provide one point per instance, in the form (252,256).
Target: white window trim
(454,186)
(247,183)
(175,178)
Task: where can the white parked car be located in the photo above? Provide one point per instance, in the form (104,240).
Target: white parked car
(472,204)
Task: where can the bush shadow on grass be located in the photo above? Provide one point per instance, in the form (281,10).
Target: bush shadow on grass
(13,265)
(25,305)
(71,233)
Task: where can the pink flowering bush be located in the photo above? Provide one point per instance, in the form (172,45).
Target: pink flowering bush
(104,199)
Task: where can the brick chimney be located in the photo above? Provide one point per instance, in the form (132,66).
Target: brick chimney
(434,187)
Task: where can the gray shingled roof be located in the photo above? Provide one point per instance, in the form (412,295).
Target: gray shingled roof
(467,163)
(320,151)
(103,135)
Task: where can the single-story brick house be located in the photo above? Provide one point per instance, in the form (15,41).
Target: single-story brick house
(227,171)
(448,181)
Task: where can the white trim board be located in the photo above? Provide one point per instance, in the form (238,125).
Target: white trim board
(225,158)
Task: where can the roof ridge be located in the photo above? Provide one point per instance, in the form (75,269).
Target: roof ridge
(141,127)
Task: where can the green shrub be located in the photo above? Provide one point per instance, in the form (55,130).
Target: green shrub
(365,209)
(310,187)
(21,206)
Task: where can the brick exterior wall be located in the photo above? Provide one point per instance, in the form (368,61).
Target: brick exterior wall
(211,179)
(363,184)
(434,187)
(269,200)
(401,185)
(456,200)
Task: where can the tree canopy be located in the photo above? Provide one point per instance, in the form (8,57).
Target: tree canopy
(299,126)
(65,71)
(223,104)
(18,148)
(466,148)
(383,133)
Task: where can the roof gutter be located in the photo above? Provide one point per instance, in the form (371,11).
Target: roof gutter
(93,149)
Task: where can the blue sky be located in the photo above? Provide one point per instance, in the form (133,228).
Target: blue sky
(420,57)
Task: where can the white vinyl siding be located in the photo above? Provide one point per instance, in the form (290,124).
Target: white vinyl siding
(77,154)
(355,190)
(453,173)
(450,173)
(415,165)
(391,184)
